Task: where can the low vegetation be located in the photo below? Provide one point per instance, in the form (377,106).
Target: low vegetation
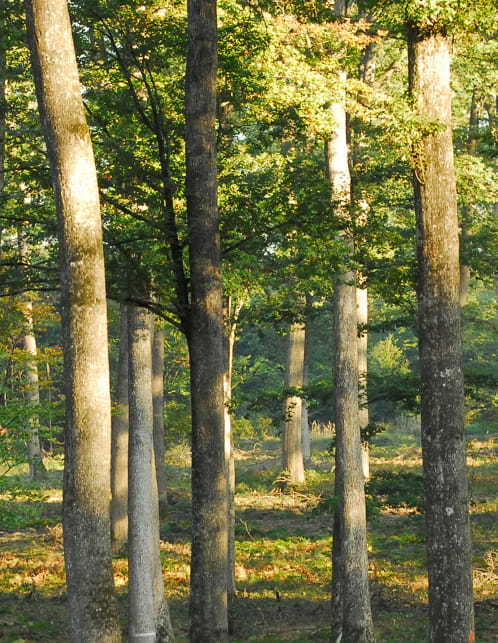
(283,543)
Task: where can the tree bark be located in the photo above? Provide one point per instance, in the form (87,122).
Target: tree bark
(231,314)
(149,615)
(440,344)
(208,601)
(32,391)
(351,613)
(87,543)
(119,447)
(158,407)
(292,456)
(363,414)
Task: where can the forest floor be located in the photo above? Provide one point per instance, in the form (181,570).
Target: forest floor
(283,545)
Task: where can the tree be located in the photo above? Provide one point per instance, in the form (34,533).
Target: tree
(158,406)
(440,341)
(208,602)
(119,442)
(87,546)
(149,614)
(351,614)
(292,461)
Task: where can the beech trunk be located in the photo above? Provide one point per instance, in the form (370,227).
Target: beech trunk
(209,563)
(440,345)
(149,615)
(87,543)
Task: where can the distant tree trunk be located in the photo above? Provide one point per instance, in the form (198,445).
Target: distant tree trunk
(231,314)
(32,393)
(149,615)
(119,449)
(362,312)
(158,406)
(440,345)
(367,75)
(3,115)
(292,456)
(465,272)
(305,426)
(87,543)
(32,390)
(208,599)
(351,614)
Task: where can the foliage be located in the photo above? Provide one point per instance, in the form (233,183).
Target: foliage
(395,489)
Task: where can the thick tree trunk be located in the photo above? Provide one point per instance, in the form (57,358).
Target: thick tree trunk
(292,453)
(440,346)
(158,407)
(119,448)
(208,600)
(351,614)
(87,543)
(149,615)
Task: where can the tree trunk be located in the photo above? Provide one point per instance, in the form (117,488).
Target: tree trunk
(32,391)
(158,407)
(149,615)
(363,416)
(292,456)
(367,75)
(231,315)
(119,448)
(440,345)
(208,600)
(465,272)
(351,614)
(87,543)
(305,426)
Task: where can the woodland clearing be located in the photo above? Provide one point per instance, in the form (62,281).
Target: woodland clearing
(283,545)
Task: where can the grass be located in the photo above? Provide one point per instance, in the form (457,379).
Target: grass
(283,544)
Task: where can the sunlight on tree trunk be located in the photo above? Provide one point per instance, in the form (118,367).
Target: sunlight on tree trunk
(440,344)
(149,615)
(292,460)
(119,448)
(87,543)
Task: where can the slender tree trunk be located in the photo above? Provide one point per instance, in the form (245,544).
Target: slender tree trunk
(363,416)
(292,456)
(3,115)
(87,543)
(231,315)
(119,449)
(305,426)
(32,391)
(149,615)
(465,272)
(440,346)
(158,406)
(367,75)
(351,614)
(208,599)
